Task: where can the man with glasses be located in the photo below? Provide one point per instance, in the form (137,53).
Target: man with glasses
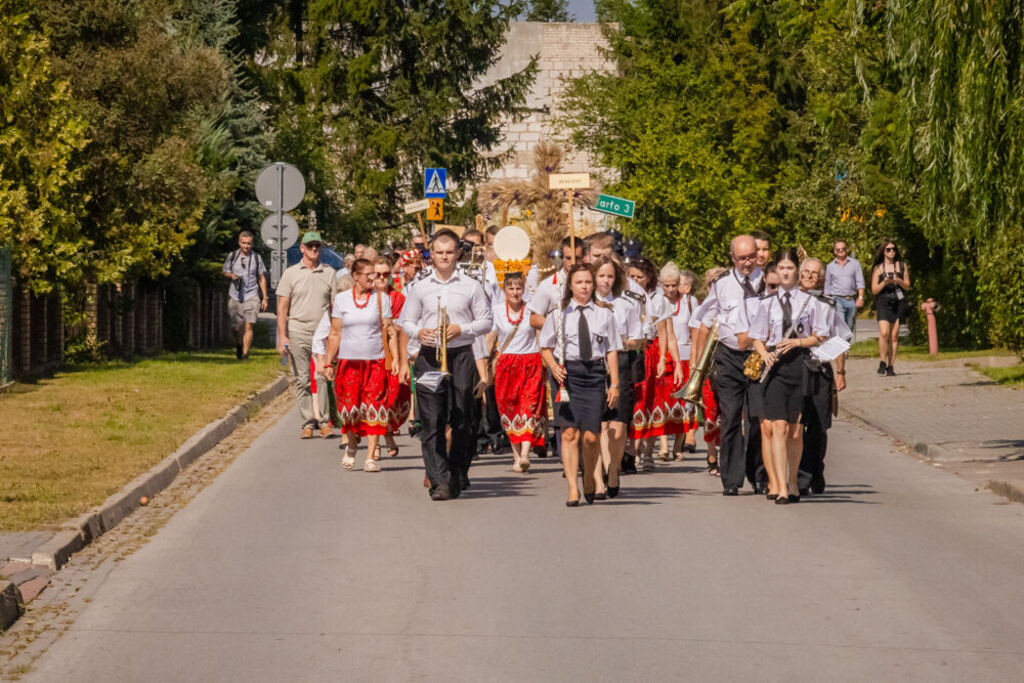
(844,282)
(303,294)
(727,302)
(248,277)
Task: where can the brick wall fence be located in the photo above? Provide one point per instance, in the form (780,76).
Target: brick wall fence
(131,320)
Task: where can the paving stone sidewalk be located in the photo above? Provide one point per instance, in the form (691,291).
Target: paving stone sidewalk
(949,413)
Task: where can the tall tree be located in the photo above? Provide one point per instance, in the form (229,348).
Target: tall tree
(548,10)
(40,134)
(372,91)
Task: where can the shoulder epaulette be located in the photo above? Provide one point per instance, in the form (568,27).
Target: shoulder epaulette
(720,276)
(633,295)
(827,299)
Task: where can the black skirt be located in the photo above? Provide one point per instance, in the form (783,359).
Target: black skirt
(784,388)
(890,308)
(623,411)
(586,384)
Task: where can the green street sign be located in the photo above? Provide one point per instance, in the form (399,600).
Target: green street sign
(616,206)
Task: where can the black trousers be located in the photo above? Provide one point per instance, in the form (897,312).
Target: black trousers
(752,414)
(731,391)
(451,405)
(817,420)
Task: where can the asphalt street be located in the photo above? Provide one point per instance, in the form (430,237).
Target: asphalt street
(287,568)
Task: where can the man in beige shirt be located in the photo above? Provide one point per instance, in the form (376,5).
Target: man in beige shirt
(303,294)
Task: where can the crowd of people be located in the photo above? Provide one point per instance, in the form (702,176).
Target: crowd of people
(592,362)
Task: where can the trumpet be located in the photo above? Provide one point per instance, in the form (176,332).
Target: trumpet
(441,335)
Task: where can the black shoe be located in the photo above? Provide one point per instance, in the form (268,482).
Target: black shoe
(760,488)
(465,482)
(689,448)
(572,503)
(731,491)
(889,372)
(805,492)
(881,367)
(782,500)
(794,499)
(238,351)
(629,464)
(441,493)
(414,428)
(589,498)
(601,496)
(818,485)
(772,496)
(613,491)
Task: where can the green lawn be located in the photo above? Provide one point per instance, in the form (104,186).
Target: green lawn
(868,348)
(70,441)
(1012,376)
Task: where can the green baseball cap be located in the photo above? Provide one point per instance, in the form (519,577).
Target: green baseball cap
(312,236)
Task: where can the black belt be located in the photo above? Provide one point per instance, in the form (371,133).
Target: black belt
(844,296)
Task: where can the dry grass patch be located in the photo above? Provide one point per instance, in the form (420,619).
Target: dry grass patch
(69,442)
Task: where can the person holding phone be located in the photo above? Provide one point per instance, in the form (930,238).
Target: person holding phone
(890,282)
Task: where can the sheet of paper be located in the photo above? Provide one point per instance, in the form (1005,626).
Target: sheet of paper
(430,380)
(830,349)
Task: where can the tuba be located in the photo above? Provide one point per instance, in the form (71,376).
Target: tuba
(691,391)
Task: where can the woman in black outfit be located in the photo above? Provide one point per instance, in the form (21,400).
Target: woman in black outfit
(890,282)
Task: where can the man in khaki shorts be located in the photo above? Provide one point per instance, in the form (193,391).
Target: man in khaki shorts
(303,294)
(248,276)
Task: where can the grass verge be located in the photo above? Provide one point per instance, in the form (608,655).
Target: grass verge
(1012,376)
(69,442)
(868,348)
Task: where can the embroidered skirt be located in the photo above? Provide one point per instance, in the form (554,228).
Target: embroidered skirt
(648,409)
(361,388)
(519,393)
(399,403)
(676,419)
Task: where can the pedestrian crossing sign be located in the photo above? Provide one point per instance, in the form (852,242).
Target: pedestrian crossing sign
(435,181)
(435,212)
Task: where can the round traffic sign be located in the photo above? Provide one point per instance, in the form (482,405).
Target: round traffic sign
(280,185)
(289,235)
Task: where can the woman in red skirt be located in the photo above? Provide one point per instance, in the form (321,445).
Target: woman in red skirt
(678,285)
(649,413)
(399,393)
(518,373)
(361,320)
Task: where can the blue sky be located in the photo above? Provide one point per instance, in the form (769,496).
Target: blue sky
(583,10)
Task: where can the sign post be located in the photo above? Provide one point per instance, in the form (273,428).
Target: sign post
(417,208)
(569,182)
(279,188)
(615,206)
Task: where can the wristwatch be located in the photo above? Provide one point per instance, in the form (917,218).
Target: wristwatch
(613,386)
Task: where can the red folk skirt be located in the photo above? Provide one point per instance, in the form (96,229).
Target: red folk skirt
(649,408)
(361,387)
(519,391)
(399,403)
(676,420)
(711,431)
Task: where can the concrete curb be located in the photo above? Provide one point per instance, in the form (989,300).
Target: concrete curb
(78,533)
(11,607)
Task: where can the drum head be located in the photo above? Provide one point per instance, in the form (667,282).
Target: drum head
(512,243)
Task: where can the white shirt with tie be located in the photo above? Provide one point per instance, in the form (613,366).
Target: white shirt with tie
(768,323)
(729,303)
(604,333)
(463,298)
(627,315)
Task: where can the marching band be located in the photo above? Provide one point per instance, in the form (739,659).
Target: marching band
(599,361)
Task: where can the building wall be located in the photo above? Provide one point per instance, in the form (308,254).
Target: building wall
(565,50)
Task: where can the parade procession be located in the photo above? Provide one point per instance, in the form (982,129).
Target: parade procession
(571,348)
(511,340)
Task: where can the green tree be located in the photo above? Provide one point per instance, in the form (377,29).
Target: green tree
(548,10)
(40,134)
(366,93)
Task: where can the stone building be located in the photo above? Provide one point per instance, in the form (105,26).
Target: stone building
(564,50)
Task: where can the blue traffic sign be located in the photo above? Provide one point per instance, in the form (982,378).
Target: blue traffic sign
(435,182)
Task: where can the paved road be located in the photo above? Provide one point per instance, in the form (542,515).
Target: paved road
(288,568)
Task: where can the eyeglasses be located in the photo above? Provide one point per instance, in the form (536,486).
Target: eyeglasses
(746,257)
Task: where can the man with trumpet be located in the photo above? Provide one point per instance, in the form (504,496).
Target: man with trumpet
(445,311)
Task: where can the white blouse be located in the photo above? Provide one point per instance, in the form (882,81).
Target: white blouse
(767,326)
(627,315)
(657,309)
(604,333)
(360,325)
(525,339)
(682,311)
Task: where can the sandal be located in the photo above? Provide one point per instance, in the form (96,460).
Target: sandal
(348,461)
(713,467)
(371,465)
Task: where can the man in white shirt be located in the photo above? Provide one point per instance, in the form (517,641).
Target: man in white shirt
(452,402)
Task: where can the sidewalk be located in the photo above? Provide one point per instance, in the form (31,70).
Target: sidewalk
(949,413)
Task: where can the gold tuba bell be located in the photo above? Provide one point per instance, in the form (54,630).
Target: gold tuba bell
(691,391)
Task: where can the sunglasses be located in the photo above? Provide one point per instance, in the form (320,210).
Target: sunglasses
(380,276)
(313,247)
(890,248)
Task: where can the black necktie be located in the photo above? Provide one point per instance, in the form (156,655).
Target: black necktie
(787,314)
(748,290)
(584,331)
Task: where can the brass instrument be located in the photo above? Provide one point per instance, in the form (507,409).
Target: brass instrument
(753,366)
(441,335)
(691,391)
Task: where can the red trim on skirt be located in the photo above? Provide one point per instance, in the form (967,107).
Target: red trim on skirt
(519,391)
(711,432)
(361,387)
(648,410)
(399,403)
(676,421)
